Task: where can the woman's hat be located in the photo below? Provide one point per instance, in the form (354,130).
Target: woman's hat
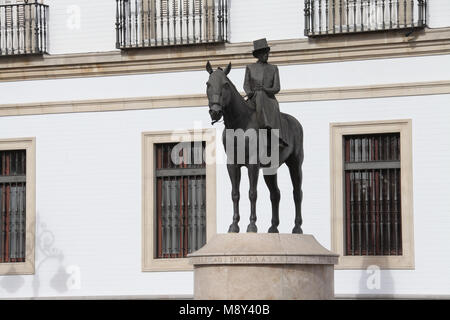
(260,45)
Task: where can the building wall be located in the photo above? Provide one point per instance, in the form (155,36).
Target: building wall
(72,23)
(88,175)
(324,75)
(89,26)
(438,13)
(82,26)
(89,196)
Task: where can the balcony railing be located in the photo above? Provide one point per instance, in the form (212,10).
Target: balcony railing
(23,28)
(324,17)
(151,23)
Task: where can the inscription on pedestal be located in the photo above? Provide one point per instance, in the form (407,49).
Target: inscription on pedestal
(263,260)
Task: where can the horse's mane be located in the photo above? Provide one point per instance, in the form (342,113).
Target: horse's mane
(237,91)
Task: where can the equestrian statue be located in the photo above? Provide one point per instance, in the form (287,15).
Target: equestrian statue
(265,131)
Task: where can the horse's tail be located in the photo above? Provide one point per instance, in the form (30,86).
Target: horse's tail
(295,129)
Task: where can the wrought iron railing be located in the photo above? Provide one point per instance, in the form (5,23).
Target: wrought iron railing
(23,28)
(150,23)
(323,17)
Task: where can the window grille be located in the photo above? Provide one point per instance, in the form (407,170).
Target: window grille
(12,205)
(181,199)
(372,194)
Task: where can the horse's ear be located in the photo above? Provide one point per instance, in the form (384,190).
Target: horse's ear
(209,68)
(228,69)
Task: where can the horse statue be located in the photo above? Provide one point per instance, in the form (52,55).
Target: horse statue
(225,101)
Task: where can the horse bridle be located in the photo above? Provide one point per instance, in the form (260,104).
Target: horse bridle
(216,99)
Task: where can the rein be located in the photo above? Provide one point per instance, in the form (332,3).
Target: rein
(216,121)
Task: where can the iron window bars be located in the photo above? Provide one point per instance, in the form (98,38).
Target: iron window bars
(23,28)
(12,205)
(181,200)
(324,17)
(372,195)
(153,23)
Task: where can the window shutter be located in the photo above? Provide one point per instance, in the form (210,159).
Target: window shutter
(148,21)
(337,14)
(209,13)
(405,13)
(14,13)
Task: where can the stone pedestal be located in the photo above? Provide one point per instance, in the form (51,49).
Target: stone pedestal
(252,266)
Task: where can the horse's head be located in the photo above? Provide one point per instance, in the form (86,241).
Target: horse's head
(218,91)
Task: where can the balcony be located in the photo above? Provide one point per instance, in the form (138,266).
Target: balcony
(156,23)
(23,28)
(325,17)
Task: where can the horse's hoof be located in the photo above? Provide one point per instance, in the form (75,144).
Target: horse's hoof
(273,229)
(252,228)
(234,228)
(297,230)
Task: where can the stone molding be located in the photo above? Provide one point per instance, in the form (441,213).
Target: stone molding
(264,259)
(149,242)
(405,261)
(333,48)
(265,248)
(200,100)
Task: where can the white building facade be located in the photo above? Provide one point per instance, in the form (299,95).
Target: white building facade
(88,112)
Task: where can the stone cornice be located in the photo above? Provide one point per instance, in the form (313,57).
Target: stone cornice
(198,100)
(174,59)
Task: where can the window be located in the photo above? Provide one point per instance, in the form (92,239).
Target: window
(148,23)
(12,205)
(23,27)
(17,206)
(324,17)
(371,166)
(181,199)
(372,194)
(178,197)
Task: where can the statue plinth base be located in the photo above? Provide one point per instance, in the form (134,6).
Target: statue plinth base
(251,266)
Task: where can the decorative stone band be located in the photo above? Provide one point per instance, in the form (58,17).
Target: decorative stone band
(200,100)
(222,260)
(250,248)
(176,59)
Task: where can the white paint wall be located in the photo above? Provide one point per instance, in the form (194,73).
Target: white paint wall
(82,26)
(281,19)
(336,74)
(89,26)
(89,196)
(438,13)
(89,164)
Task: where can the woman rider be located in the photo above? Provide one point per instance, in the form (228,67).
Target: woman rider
(262,82)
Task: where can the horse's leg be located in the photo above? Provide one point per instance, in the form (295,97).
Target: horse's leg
(295,170)
(235,175)
(271,182)
(253,173)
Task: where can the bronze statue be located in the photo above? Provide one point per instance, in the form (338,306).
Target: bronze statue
(258,114)
(261,84)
